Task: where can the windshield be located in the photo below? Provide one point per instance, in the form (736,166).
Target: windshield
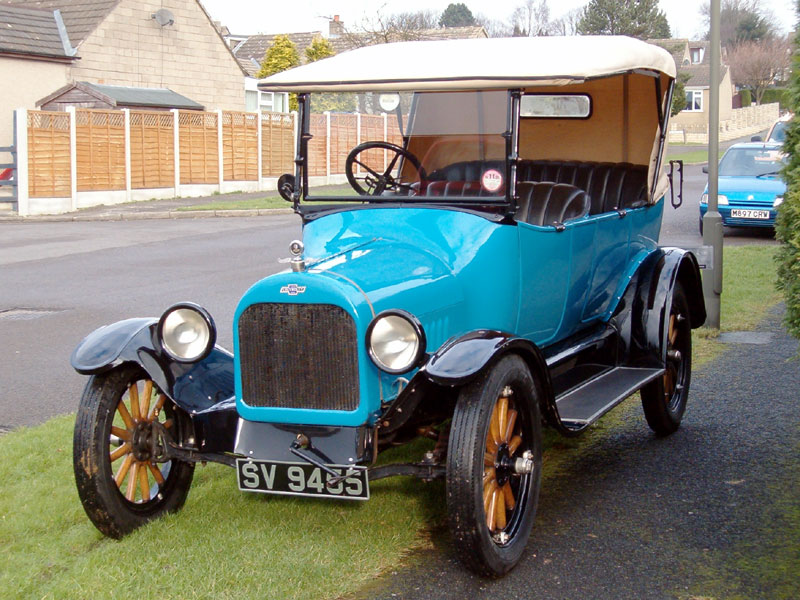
(778,133)
(410,145)
(751,162)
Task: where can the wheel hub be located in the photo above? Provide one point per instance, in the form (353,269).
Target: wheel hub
(141,441)
(504,465)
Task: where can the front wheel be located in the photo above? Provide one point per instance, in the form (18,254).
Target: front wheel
(494,467)
(121,417)
(664,399)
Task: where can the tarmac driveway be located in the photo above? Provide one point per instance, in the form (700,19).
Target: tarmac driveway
(698,514)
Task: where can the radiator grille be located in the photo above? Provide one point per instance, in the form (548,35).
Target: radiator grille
(298,356)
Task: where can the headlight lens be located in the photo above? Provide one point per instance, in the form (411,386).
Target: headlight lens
(186,332)
(778,201)
(395,341)
(720,199)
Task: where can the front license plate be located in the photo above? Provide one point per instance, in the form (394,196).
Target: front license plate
(301,479)
(747,213)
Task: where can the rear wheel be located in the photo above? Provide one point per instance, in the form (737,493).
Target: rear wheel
(664,399)
(121,485)
(494,467)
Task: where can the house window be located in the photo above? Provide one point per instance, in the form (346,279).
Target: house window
(694,101)
(250,101)
(697,55)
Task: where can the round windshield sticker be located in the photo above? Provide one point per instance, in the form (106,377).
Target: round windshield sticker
(492,180)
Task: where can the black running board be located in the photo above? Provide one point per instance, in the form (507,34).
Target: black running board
(583,405)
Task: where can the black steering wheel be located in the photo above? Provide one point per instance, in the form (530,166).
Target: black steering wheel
(373,183)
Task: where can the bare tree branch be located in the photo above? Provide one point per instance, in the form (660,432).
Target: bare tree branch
(757,65)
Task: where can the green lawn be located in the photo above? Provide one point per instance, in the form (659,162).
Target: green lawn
(272,201)
(693,157)
(227,544)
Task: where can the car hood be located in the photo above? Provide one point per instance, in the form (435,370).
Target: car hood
(762,189)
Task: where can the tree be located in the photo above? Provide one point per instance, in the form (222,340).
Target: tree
(679,94)
(334,102)
(568,23)
(532,18)
(318,49)
(638,18)
(756,65)
(384,29)
(280,56)
(457,15)
(494,27)
(740,21)
(787,226)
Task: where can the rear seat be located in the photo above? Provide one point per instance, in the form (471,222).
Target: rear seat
(547,203)
(610,186)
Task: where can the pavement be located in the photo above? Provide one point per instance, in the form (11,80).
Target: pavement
(175,208)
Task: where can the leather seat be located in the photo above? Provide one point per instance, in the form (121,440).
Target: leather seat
(547,203)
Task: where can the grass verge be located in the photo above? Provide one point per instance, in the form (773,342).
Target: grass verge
(693,157)
(227,544)
(272,201)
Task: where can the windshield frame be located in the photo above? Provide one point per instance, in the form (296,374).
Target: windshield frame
(504,204)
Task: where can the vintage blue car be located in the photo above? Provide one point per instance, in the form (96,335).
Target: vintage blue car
(750,185)
(494,269)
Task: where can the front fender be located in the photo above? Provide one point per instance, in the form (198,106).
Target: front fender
(195,387)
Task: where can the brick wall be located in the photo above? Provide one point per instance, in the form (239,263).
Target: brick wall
(130,48)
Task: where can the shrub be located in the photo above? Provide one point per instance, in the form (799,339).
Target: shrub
(787,227)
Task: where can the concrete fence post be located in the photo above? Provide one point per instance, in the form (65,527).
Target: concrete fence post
(73,157)
(358,138)
(127,117)
(259,146)
(220,158)
(327,147)
(21,146)
(385,139)
(176,149)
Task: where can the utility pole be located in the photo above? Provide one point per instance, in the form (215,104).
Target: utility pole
(712,221)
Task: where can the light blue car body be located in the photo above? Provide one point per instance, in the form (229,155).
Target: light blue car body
(457,272)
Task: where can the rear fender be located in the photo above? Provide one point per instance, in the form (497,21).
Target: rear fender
(642,315)
(203,389)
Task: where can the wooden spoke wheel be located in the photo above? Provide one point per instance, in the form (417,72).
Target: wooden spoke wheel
(122,480)
(494,467)
(664,400)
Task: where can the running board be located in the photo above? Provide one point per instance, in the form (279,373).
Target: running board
(582,406)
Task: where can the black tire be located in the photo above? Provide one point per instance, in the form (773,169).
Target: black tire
(664,399)
(701,225)
(483,545)
(106,417)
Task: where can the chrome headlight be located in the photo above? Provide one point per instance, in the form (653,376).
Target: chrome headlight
(778,201)
(396,341)
(720,199)
(186,332)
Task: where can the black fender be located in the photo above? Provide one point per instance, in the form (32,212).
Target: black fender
(463,358)
(204,389)
(641,316)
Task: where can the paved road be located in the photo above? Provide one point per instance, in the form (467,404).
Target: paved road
(636,517)
(78,276)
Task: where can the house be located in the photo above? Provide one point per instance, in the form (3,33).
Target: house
(693,61)
(46,45)
(250,51)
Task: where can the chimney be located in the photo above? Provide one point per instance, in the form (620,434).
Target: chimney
(335,27)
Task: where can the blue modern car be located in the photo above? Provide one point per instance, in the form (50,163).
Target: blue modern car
(491,266)
(750,185)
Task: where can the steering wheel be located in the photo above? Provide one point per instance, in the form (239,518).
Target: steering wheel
(373,183)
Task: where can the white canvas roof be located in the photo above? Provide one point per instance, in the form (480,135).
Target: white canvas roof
(474,64)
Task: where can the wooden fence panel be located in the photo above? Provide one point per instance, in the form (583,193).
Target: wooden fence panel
(317,146)
(48,155)
(372,131)
(198,147)
(344,137)
(277,144)
(100,150)
(152,149)
(240,146)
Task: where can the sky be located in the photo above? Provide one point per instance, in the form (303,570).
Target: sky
(275,16)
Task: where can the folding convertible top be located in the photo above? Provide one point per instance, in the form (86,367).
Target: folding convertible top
(493,63)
